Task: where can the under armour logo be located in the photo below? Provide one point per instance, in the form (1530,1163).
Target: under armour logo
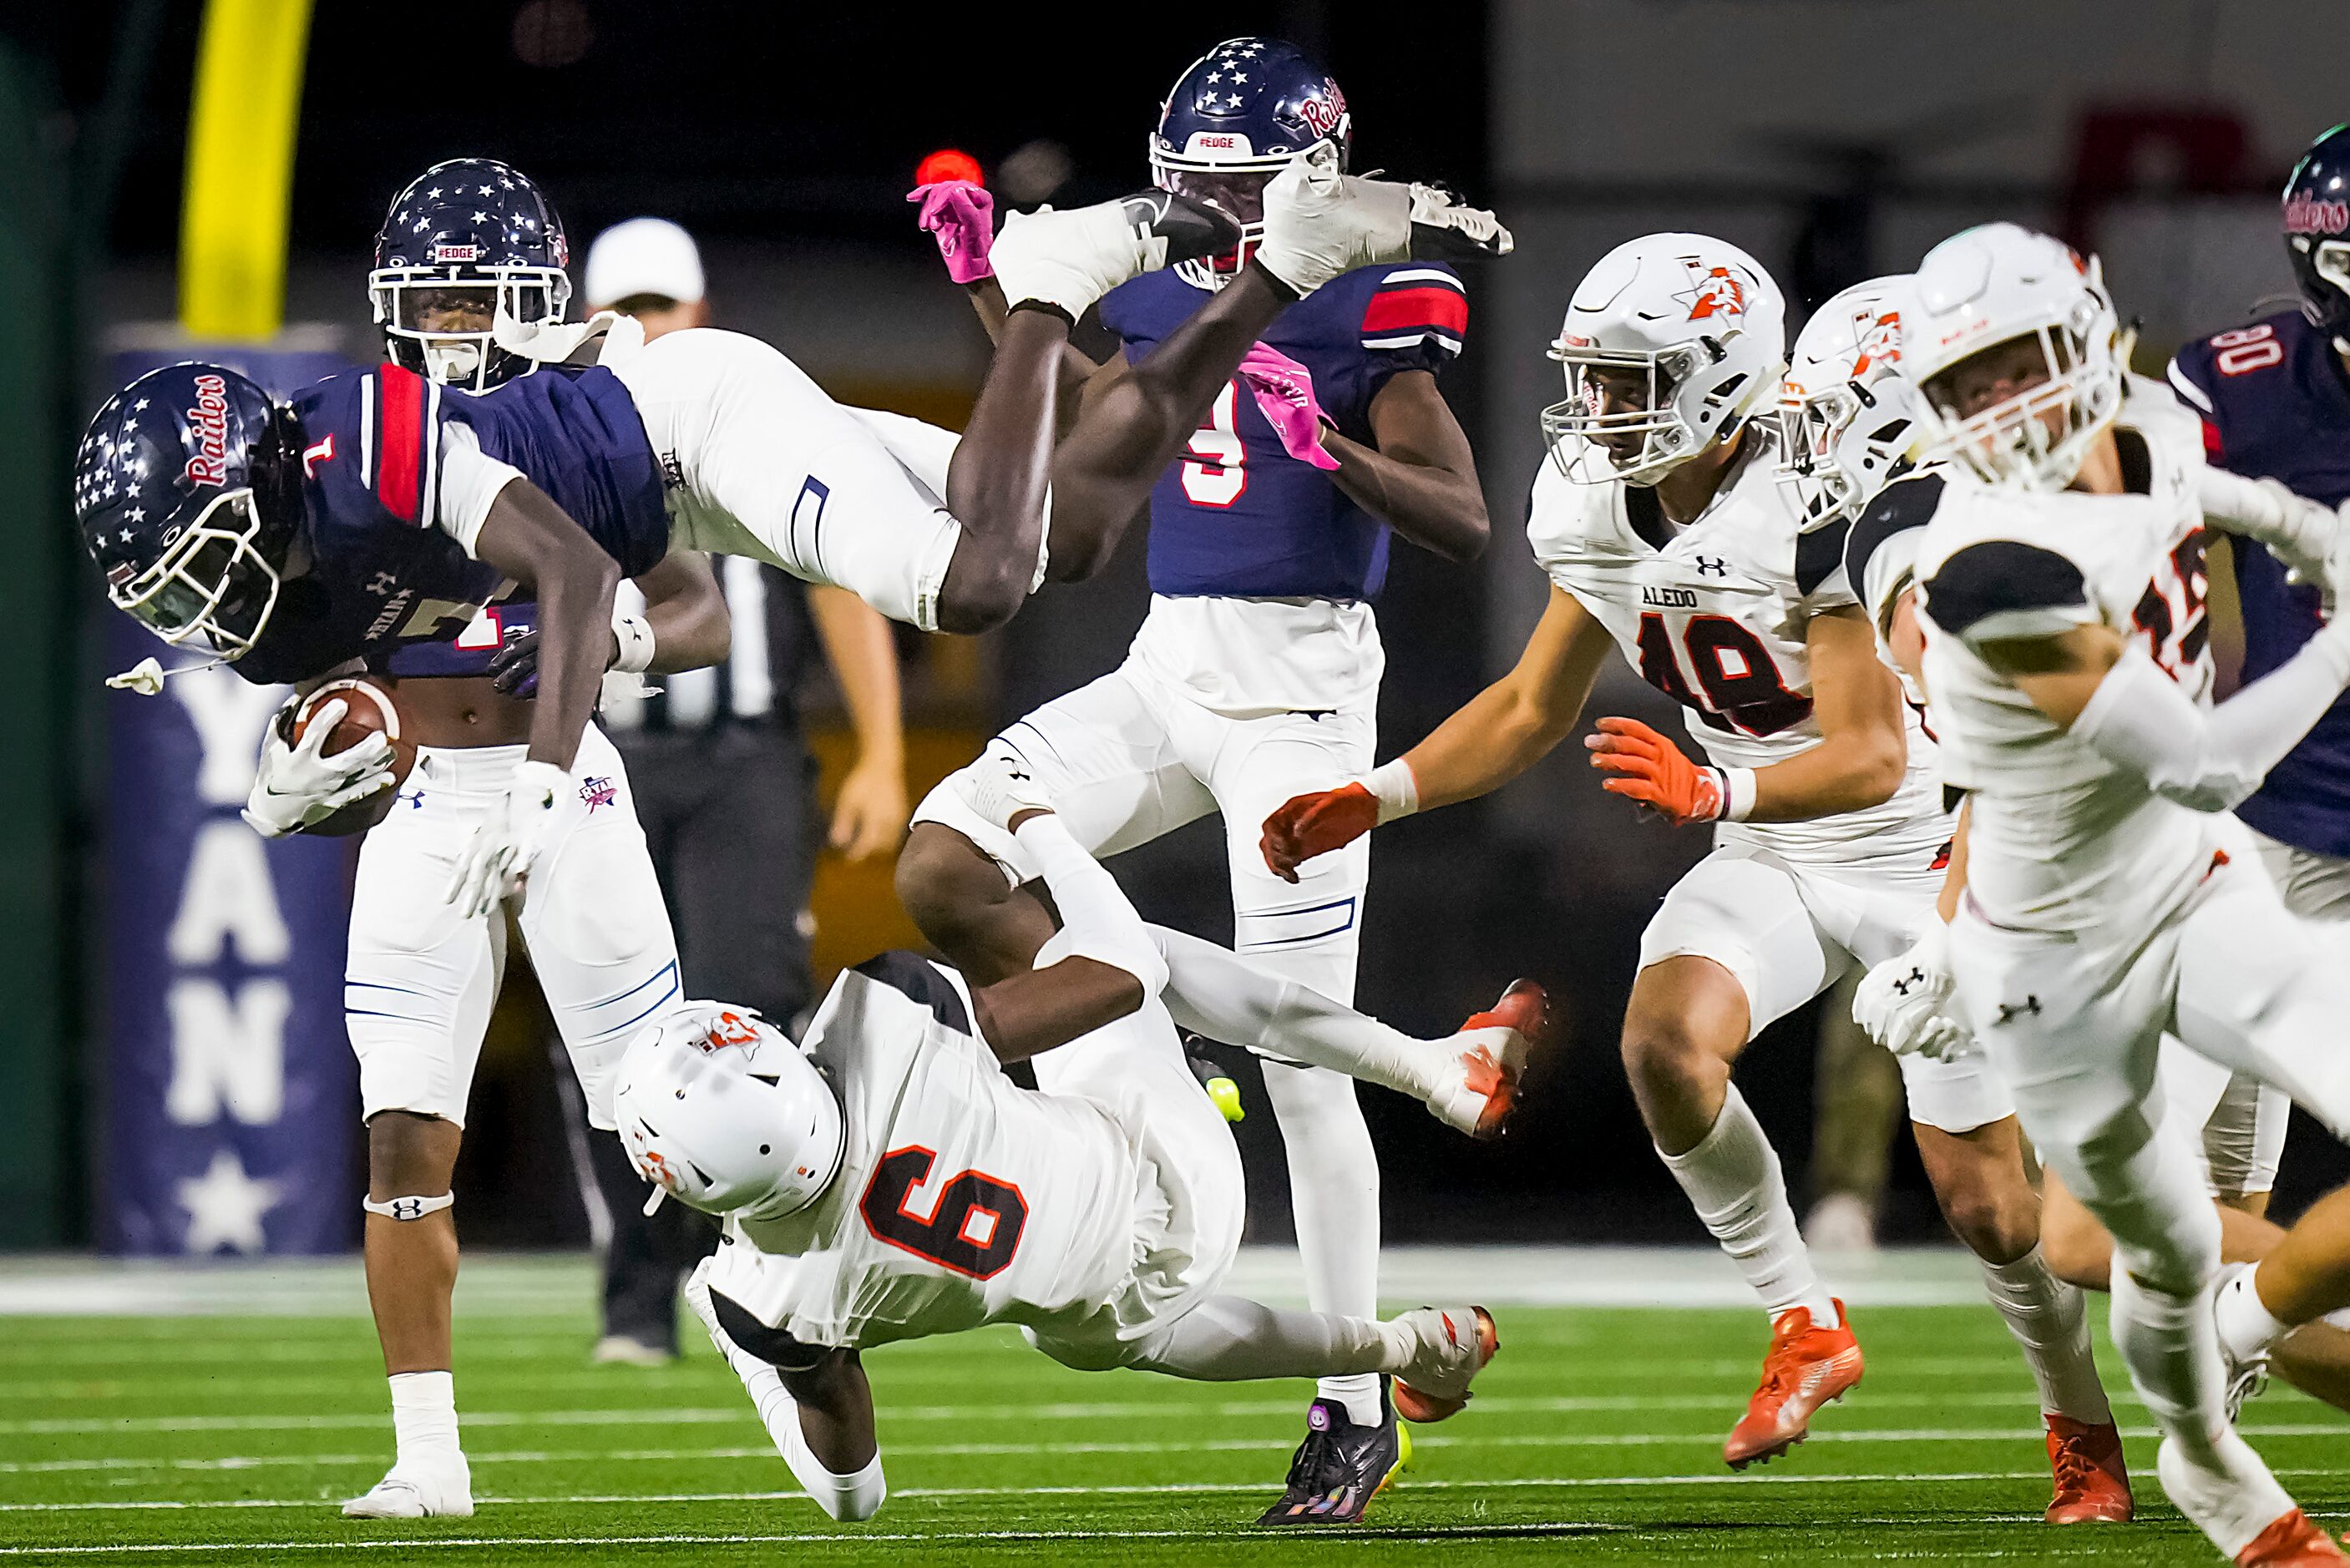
(1713,566)
(1915,977)
(406,1208)
(382,583)
(2009,1011)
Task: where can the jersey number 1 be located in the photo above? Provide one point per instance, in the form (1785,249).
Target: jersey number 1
(1215,471)
(974,1223)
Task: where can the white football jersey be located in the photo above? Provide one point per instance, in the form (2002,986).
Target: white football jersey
(1716,614)
(963,1199)
(2061,839)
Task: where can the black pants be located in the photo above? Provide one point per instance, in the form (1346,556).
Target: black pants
(730,813)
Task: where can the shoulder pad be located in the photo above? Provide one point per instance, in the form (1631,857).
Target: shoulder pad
(1999,588)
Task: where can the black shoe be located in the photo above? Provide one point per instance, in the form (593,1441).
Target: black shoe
(1340,1467)
(1192,230)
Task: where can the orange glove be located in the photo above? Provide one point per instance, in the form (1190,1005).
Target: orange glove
(1655,773)
(1309,825)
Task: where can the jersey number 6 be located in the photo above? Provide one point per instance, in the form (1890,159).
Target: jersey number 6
(974,1223)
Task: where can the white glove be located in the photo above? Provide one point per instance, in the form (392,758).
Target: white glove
(299,786)
(999,786)
(1901,1001)
(502,848)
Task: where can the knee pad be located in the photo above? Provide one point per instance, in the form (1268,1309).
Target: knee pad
(408,1208)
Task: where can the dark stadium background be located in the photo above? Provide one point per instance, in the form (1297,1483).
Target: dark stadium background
(784,136)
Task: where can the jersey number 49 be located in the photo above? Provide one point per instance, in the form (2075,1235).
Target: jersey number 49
(1740,680)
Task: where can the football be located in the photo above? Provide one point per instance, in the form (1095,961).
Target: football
(368,710)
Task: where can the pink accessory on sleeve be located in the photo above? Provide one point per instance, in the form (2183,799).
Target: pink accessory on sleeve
(961,215)
(1283,390)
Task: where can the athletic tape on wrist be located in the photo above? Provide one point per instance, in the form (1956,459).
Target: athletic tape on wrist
(634,635)
(408,1208)
(1395,787)
(1737,793)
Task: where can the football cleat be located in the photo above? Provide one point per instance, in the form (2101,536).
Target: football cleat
(2092,1479)
(1805,1368)
(2247,1375)
(1455,1344)
(1069,260)
(1480,1085)
(2238,1504)
(438,1488)
(2291,1541)
(1341,1466)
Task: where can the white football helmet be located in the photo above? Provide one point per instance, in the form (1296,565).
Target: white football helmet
(1848,414)
(1987,286)
(719,1108)
(1700,320)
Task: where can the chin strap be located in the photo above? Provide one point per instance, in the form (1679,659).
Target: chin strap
(408,1208)
(147,677)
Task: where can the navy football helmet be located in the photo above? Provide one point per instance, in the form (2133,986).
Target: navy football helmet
(187,492)
(1234,119)
(467,241)
(2317,231)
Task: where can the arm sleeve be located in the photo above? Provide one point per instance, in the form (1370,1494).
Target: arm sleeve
(1416,318)
(1999,590)
(2298,529)
(850,1497)
(470,481)
(1097,921)
(2139,719)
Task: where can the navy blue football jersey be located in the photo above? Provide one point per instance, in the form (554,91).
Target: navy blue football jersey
(1238,517)
(2276,405)
(385,583)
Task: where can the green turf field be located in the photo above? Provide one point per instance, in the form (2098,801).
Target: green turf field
(1595,1439)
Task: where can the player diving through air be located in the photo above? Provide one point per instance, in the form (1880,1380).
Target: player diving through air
(1663,525)
(1255,674)
(885,1181)
(383,510)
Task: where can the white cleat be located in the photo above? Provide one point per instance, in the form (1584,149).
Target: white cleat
(439,1488)
(1069,260)
(1453,1345)
(1319,222)
(2247,1375)
(1479,1085)
(2233,1502)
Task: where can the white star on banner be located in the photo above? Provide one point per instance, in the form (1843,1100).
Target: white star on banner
(225,1206)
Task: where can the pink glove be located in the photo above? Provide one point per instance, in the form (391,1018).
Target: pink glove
(963,215)
(1283,390)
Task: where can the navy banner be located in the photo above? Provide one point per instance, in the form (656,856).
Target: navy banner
(231,1112)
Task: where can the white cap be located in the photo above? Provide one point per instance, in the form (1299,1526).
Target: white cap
(643,256)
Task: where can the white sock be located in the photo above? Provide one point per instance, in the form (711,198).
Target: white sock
(2246,1326)
(1334,1192)
(2051,1322)
(2173,1360)
(1216,992)
(423,1415)
(1733,1180)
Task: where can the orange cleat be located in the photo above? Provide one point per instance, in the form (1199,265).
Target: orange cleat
(1454,1345)
(2291,1541)
(1482,1090)
(2091,1480)
(1806,1369)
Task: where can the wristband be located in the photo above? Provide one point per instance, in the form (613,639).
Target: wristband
(634,636)
(1391,783)
(1737,793)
